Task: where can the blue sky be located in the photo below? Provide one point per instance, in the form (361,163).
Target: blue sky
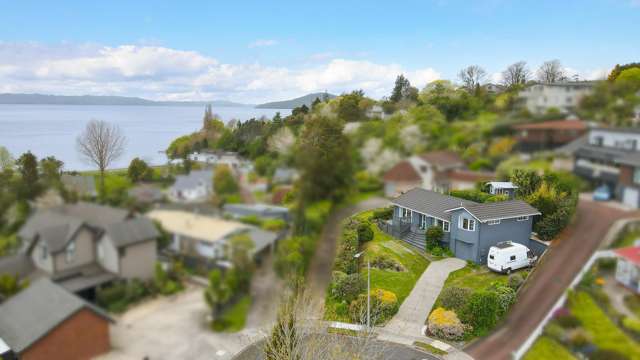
(264,50)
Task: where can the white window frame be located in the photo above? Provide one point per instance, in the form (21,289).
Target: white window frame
(444,225)
(70,251)
(471,224)
(405,213)
(522,218)
(422,221)
(493,222)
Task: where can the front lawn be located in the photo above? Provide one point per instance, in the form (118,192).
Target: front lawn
(234,318)
(626,239)
(474,277)
(546,348)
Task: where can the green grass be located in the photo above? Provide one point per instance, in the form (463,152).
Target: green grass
(606,335)
(234,319)
(428,348)
(632,301)
(473,277)
(626,239)
(346,332)
(546,348)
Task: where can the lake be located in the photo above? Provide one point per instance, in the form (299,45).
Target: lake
(52,129)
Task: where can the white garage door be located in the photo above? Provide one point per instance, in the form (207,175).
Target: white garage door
(630,197)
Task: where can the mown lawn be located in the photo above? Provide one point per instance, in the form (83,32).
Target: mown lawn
(546,348)
(234,319)
(473,277)
(626,239)
(606,335)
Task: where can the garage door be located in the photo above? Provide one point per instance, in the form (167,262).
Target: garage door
(464,251)
(630,197)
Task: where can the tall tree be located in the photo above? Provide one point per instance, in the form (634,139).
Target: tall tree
(27,165)
(208,116)
(516,74)
(402,90)
(51,169)
(139,170)
(6,159)
(101,144)
(550,71)
(472,77)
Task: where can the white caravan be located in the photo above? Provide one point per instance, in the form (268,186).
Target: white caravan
(508,256)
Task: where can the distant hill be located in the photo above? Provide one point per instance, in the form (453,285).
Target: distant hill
(294,103)
(40,99)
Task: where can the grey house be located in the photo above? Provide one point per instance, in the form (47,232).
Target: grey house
(470,228)
(84,245)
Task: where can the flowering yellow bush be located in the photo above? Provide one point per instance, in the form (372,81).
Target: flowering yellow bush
(441,316)
(446,324)
(600,281)
(386,297)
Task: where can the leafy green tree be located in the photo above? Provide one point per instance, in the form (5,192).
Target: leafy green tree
(139,170)
(241,256)
(217,292)
(10,285)
(526,180)
(613,75)
(402,90)
(223,181)
(51,169)
(349,108)
(27,165)
(433,236)
(6,159)
(482,311)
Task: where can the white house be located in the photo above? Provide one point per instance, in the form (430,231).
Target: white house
(628,267)
(195,186)
(215,158)
(563,96)
(502,188)
(376,111)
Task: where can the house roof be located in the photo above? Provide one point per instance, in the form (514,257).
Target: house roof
(402,171)
(146,193)
(132,231)
(18,264)
(37,310)
(501,210)
(94,214)
(554,125)
(257,209)
(630,158)
(443,158)
(430,202)
(470,175)
(196,226)
(193,179)
(631,253)
(502,185)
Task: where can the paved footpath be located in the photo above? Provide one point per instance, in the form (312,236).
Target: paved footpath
(416,307)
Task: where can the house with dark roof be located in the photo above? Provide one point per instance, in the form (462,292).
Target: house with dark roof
(193,187)
(548,135)
(440,171)
(611,157)
(470,228)
(84,245)
(45,321)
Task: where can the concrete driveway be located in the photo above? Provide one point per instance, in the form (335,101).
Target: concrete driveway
(416,307)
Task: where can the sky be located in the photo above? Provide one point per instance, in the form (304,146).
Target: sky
(257,51)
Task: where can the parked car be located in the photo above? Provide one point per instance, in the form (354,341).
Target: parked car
(508,256)
(602,193)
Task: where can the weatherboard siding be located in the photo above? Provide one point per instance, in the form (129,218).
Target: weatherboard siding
(138,261)
(84,253)
(508,230)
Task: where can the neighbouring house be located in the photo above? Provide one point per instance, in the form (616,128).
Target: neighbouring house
(628,267)
(83,185)
(45,321)
(494,88)
(376,111)
(611,157)
(548,135)
(146,194)
(82,246)
(285,176)
(193,187)
(264,211)
(228,158)
(207,237)
(563,96)
(502,188)
(470,228)
(440,171)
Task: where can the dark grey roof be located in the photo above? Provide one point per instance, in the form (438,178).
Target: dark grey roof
(132,231)
(193,179)
(42,219)
(261,239)
(572,147)
(83,277)
(630,158)
(35,311)
(627,130)
(430,202)
(18,264)
(94,214)
(501,210)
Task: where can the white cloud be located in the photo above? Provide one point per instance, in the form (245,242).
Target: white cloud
(157,72)
(263,43)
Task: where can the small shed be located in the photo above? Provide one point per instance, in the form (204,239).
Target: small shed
(627,268)
(502,188)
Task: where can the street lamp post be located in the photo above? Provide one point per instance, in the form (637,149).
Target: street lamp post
(368,289)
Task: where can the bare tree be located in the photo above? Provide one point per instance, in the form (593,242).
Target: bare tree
(100,144)
(472,77)
(550,71)
(516,74)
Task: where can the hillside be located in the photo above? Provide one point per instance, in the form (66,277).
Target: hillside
(293,103)
(40,99)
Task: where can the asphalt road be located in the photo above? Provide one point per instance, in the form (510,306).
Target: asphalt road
(557,269)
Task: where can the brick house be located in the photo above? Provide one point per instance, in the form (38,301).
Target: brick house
(44,321)
(548,135)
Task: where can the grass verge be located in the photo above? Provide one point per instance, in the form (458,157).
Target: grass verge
(428,348)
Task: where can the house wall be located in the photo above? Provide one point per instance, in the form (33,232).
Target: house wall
(138,260)
(615,139)
(45,264)
(461,240)
(85,252)
(627,274)
(109,253)
(508,230)
(84,335)
(539,98)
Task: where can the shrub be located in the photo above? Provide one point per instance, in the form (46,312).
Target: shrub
(433,236)
(347,249)
(274,224)
(506,298)
(606,354)
(446,325)
(631,324)
(347,287)
(364,232)
(437,251)
(555,331)
(384,304)
(482,310)
(342,309)
(515,281)
(251,220)
(568,321)
(382,214)
(384,262)
(578,338)
(118,296)
(607,264)
(455,298)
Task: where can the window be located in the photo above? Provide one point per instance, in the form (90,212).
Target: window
(405,213)
(70,252)
(444,225)
(467,224)
(522,218)
(512,258)
(636,176)
(493,222)
(422,221)
(491,257)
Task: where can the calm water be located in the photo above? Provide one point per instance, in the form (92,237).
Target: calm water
(52,129)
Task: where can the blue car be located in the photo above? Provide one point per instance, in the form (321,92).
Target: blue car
(602,193)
